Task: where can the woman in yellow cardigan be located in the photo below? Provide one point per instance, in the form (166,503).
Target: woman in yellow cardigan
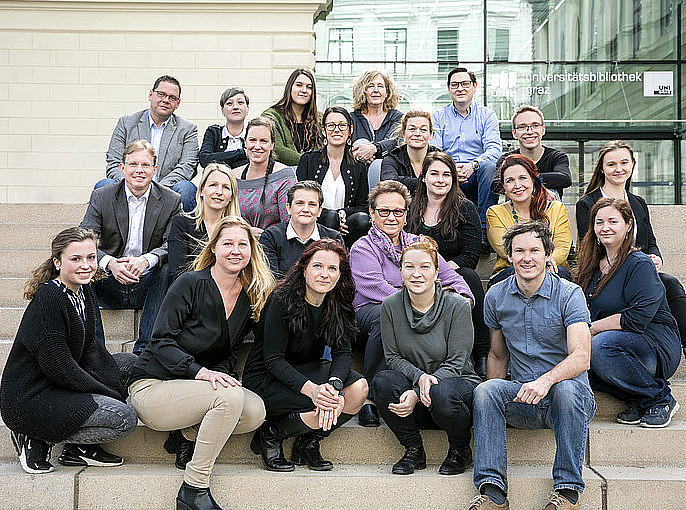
(527,199)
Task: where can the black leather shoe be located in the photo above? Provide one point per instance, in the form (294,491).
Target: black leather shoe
(182,447)
(88,455)
(368,416)
(456,462)
(195,498)
(480,367)
(414,458)
(306,451)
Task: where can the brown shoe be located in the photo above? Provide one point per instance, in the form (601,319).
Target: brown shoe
(482,502)
(557,501)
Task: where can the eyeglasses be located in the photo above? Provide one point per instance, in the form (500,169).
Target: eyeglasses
(164,95)
(523,128)
(331,126)
(398,213)
(454,85)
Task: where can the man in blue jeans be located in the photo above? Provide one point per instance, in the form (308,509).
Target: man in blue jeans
(539,326)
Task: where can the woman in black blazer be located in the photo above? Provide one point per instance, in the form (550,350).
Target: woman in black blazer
(612,178)
(343,179)
(226,144)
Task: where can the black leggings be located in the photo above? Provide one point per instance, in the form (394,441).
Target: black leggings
(482,340)
(676,299)
(358,224)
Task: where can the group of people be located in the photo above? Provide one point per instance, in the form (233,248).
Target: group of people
(284,237)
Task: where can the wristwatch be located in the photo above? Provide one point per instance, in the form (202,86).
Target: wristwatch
(475,165)
(336,383)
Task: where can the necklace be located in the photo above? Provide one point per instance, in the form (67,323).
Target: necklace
(514,214)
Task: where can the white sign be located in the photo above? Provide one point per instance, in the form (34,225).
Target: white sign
(658,83)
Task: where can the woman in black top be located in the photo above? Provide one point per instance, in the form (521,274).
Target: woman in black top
(217,197)
(226,144)
(305,395)
(612,178)
(343,180)
(184,379)
(441,210)
(60,383)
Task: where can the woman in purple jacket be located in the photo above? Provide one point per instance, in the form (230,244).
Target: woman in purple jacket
(375,264)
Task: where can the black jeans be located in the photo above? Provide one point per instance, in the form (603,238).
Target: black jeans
(676,299)
(358,224)
(450,409)
(368,319)
(482,339)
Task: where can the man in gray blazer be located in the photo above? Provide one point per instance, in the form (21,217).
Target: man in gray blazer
(175,141)
(132,219)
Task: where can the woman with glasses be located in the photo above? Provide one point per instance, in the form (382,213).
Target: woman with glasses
(296,118)
(404,163)
(375,263)
(226,144)
(374,116)
(343,180)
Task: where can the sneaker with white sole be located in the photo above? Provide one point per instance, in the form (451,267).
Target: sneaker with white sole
(660,416)
(34,454)
(631,415)
(88,455)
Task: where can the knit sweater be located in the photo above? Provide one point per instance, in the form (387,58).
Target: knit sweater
(284,146)
(53,368)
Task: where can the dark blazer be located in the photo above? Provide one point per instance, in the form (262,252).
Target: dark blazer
(177,158)
(396,166)
(213,149)
(354,176)
(385,139)
(108,216)
(645,238)
(184,244)
(283,253)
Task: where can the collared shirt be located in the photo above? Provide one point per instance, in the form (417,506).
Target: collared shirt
(134,241)
(291,234)
(233,143)
(156,133)
(76,298)
(535,328)
(474,137)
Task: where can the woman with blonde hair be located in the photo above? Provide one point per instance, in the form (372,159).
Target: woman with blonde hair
(216,198)
(374,115)
(60,384)
(185,379)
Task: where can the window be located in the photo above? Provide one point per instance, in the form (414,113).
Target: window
(340,49)
(447,46)
(499,46)
(395,47)
(636,34)
(665,15)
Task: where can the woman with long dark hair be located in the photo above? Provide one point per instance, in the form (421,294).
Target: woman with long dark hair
(296,118)
(343,180)
(59,383)
(527,199)
(440,210)
(635,343)
(305,395)
(184,380)
(263,183)
(612,178)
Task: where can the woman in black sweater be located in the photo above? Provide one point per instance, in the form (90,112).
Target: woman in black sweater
(60,383)
(440,210)
(305,395)
(184,379)
(343,180)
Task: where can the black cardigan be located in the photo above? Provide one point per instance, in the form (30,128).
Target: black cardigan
(645,238)
(183,244)
(213,150)
(384,137)
(354,176)
(191,331)
(396,165)
(53,368)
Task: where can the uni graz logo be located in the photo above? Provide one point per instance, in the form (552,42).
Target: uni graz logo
(658,83)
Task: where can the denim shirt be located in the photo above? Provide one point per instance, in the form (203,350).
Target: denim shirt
(475,137)
(535,328)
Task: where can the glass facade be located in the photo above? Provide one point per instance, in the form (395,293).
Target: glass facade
(598,69)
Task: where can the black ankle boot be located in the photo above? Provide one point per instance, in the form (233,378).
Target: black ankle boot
(268,441)
(414,458)
(457,461)
(195,498)
(177,444)
(306,446)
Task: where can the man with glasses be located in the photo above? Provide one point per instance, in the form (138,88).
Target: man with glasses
(470,133)
(174,139)
(132,218)
(528,128)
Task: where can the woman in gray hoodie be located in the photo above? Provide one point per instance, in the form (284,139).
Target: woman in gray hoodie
(427,336)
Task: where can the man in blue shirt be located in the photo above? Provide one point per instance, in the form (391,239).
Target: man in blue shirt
(539,326)
(470,133)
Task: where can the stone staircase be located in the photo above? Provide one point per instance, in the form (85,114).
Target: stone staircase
(626,467)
